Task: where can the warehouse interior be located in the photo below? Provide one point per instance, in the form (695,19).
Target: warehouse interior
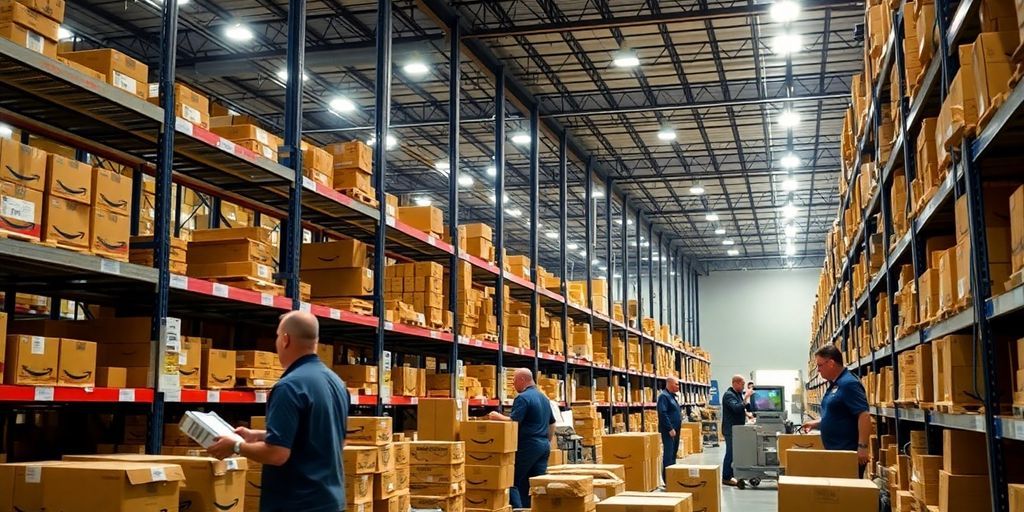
(631,209)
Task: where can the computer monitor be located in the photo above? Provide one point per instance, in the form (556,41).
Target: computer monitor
(768,399)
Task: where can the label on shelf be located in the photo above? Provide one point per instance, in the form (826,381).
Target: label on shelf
(335,313)
(126,395)
(261,397)
(308,183)
(220,290)
(431,239)
(226,145)
(263,271)
(183,126)
(435,335)
(179,282)
(266,299)
(353,399)
(389,221)
(172,395)
(123,81)
(38,345)
(1018,430)
(213,396)
(43,394)
(157,474)
(110,266)
(305,307)
(33,474)
(389,326)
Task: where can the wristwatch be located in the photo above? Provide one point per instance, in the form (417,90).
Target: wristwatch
(238,447)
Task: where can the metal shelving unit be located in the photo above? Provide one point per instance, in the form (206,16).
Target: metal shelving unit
(41,96)
(986,314)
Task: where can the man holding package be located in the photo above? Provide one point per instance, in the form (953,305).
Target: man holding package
(307,414)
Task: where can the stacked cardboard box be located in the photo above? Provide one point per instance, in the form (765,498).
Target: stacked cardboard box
(788,442)
(822,463)
(588,424)
(809,493)
(217,367)
(916,384)
(486,375)
(550,337)
(559,493)
(370,463)
(999,199)
(242,257)
(990,59)
(954,372)
(490,460)
(924,480)
(33,25)
(440,419)
(704,482)
(478,240)
(116,486)
(318,165)
(648,502)
(256,369)
(609,479)
(428,219)
(140,252)
(43,361)
(963,479)
(582,342)
(352,166)
(337,271)
(640,454)
(251,137)
(188,104)
(421,286)
(959,113)
(437,475)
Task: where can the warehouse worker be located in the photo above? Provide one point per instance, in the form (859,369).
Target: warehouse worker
(670,420)
(734,412)
(845,422)
(532,410)
(307,413)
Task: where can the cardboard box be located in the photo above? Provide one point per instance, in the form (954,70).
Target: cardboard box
(109,234)
(351,155)
(491,459)
(21,210)
(492,478)
(385,485)
(822,463)
(31,360)
(112,486)
(440,419)
(188,104)
(339,282)
(111,377)
(704,482)
(490,436)
(53,9)
(402,454)
(76,363)
(438,473)
(963,492)
(209,484)
(217,368)
(964,452)
(444,503)
(21,485)
(347,179)
(358,489)
(121,70)
(482,499)
(798,442)
(428,219)
(69,179)
(67,223)
(562,485)
(22,165)
(368,430)
(338,254)
(809,494)
(640,454)
(386,457)
(255,359)
(422,453)
(563,504)
(648,502)
(190,372)
(356,373)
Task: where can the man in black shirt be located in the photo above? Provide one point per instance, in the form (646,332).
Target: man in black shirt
(734,412)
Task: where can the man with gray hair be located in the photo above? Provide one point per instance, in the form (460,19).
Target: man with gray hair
(670,420)
(307,414)
(532,410)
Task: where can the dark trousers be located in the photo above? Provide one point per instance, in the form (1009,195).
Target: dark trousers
(530,461)
(727,463)
(669,449)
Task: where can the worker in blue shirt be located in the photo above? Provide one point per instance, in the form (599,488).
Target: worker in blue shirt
(845,422)
(532,410)
(735,402)
(307,413)
(670,420)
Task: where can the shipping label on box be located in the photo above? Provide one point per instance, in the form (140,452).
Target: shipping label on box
(436,452)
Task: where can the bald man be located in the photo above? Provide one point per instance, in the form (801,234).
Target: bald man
(670,420)
(532,410)
(734,412)
(307,413)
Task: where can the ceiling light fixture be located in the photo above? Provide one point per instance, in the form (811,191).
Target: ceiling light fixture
(696,190)
(728,242)
(789,184)
(784,11)
(597,193)
(625,59)
(733,252)
(492,171)
(521,138)
(238,32)
(789,211)
(553,235)
(416,68)
(391,141)
(466,180)
(572,246)
(789,119)
(720,231)
(711,217)
(789,161)
(790,230)
(341,105)
(423,201)
(666,134)
(785,44)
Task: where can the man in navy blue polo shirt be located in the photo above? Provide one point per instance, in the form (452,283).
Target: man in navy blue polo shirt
(532,410)
(307,413)
(845,422)
(670,420)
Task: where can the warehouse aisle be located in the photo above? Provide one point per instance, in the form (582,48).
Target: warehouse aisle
(762,499)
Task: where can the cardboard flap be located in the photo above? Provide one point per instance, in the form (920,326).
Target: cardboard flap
(154,473)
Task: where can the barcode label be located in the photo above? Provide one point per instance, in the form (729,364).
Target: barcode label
(353,399)
(220,290)
(267,152)
(35,42)
(263,271)
(231,464)
(43,394)
(158,474)
(33,474)
(226,145)
(18,209)
(179,282)
(38,345)
(154,90)
(182,358)
(694,473)
(262,137)
(110,266)
(123,81)
(1018,430)
(191,114)
(388,326)
(172,395)
(126,395)
(335,313)
(261,397)
(213,396)
(266,299)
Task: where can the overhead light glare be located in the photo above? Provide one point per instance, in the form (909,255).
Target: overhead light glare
(626,59)
(789,119)
(711,217)
(598,193)
(720,231)
(733,252)
(789,184)
(494,198)
(790,230)
(341,105)
(617,276)
(282,75)
(572,246)
(423,201)
(553,235)
(492,171)
(521,138)
(6,131)
(238,32)
(466,180)
(416,68)
(391,141)
(583,253)
(666,134)
(790,250)
(789,211)
(696,190)
(64,34)
(789,161)
(443,166)
(603,268)
(514,212)
(784,11)
(728,242)
(785,44)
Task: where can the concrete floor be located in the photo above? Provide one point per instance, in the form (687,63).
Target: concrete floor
(762,499)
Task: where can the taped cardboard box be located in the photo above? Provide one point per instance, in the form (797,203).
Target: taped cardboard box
(53,9)
(21,485)
(67,223)
(963,492)
(440,419)
(21,211)
(809,494)
(562,485)
(188,104)
(359,460)
(489,477)
(217,368)
(443,503)
(111,377)
(31,360)
(640,454)
(121,70)
(112,486)
(490,436)
(438,473)
(544,503)
(358,489)
(653,502)
(822,463)
(339,282)
(351,155)
(491,459)
(76,366)
(337,254)
(368,430)
(69,179)
(23,165)
(704,482)
(422,453)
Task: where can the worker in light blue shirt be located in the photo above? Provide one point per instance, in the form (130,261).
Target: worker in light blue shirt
(670,421)
(532,410)
(845,422)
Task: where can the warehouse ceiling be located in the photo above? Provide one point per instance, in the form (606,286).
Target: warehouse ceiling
(707,71)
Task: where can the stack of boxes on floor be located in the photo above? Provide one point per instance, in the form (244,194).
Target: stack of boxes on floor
(490,463)
(438,475)
(609,479)
(560,493)
(704,482)
(337,272)
(374,475)
(588,424)
(816,478)
(640,454)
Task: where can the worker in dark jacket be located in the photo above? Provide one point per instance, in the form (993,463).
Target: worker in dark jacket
(734,412)
(670,420)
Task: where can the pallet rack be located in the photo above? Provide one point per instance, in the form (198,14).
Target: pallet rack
(957,23)
(40,96)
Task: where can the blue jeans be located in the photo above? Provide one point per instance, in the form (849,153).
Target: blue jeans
(530,461)
(727,463)
(669,449)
